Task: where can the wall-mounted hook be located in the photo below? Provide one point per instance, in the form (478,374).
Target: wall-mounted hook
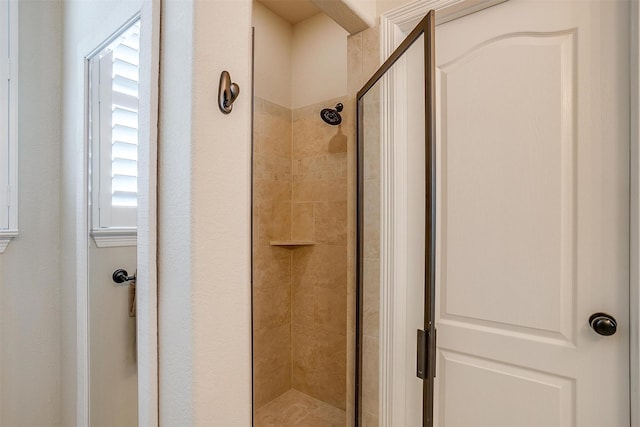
(227,93)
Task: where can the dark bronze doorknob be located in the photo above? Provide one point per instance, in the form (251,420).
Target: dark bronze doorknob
(121,276)
(603,324)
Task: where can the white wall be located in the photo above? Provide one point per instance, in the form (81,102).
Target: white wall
(29,269)
(272,64)
(319,61)
(204,216)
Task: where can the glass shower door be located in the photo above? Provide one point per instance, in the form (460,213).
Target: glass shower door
(396,236)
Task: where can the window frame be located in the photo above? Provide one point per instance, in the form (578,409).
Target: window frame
(104,234)
(9,141)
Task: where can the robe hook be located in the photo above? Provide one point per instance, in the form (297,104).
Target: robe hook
(227,93)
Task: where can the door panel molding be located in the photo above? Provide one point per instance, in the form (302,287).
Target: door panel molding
(550,310)
(511,383)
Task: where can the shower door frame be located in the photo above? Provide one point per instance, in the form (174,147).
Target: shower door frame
(425,28)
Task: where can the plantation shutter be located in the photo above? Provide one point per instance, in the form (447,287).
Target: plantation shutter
(118,145)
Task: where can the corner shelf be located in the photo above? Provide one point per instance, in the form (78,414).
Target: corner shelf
(291,244)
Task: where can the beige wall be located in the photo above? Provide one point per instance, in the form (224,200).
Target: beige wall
(298,65)
(319,61)
(204,216)
(272,61)
(30,267)
(371,8)
(358,15)
(383,6)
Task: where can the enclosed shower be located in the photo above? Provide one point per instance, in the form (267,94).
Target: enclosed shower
(300,213)
(307,70)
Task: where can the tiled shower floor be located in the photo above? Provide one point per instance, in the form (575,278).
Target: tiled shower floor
(294,408)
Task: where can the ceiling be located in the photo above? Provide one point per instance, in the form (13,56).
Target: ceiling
(292,11)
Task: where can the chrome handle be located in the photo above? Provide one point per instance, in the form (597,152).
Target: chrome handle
(121,276)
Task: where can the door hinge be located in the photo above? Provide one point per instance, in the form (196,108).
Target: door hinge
(423,370)
(423,343)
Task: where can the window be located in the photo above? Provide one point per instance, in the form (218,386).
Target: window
(8,122)
(113,112)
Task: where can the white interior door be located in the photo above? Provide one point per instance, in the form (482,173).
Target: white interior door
(532,219)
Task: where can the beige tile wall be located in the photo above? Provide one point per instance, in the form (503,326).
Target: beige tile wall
(363,52)
(300,193)
(272,265)
(319,272)
(371,258)
(304,298)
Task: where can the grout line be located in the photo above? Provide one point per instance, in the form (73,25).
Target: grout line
(291,254)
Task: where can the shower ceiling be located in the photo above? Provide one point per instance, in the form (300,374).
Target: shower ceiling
(292,11)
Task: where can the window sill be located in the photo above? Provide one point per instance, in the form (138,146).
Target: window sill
(115,237)
(6,236)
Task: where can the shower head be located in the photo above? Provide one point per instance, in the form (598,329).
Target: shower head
(332,116)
